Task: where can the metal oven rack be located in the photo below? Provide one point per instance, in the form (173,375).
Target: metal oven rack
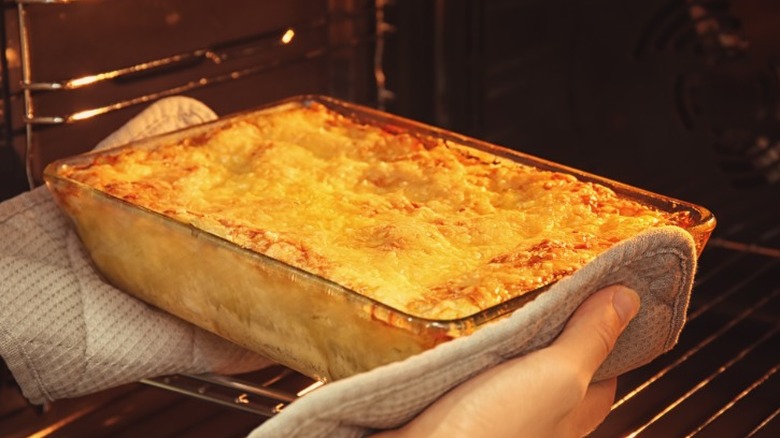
(271,389)
(266,396)
(252,55)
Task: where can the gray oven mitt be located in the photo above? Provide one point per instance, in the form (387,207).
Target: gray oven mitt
(658,264)
(63,331)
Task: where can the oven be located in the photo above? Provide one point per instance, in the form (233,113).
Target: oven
(681,97)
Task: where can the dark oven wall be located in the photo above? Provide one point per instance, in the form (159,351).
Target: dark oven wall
(676,96)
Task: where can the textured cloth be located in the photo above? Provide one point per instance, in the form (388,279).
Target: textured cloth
(64,332)
(659,265)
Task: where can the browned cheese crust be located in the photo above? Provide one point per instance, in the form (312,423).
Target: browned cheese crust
(426,226)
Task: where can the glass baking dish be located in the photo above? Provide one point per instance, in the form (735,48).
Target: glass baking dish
(301,320)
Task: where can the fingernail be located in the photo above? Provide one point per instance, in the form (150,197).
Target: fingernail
(626,304)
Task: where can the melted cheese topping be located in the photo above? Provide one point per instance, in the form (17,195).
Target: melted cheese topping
(431,228)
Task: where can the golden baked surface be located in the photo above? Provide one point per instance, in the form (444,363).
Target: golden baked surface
(427,227)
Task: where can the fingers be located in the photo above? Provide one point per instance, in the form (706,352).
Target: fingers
(594,328)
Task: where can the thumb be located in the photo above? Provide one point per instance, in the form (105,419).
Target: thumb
(594,327)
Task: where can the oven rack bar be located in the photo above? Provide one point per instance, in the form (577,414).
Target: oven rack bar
(736,400)
(214,55)
(189,86)
(46,2)
(266,395)
(207,54)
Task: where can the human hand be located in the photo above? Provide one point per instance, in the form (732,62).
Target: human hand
(547,393)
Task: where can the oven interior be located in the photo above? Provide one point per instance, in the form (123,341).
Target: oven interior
(681,97)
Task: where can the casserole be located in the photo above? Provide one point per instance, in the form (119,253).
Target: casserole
(304,222)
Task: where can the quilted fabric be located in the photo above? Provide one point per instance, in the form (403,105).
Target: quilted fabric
(64,332)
